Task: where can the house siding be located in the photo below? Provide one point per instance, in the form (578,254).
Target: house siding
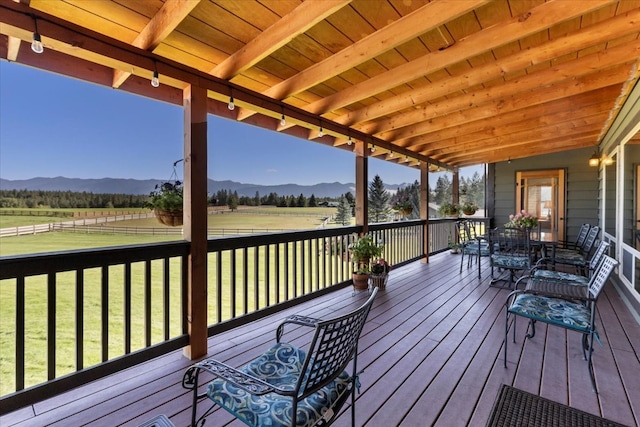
(581,187)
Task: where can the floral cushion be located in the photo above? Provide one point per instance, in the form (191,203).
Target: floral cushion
(572,258)
(571,279)
(280,366)
(556,311)
(510,261)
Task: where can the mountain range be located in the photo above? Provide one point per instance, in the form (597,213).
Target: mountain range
(145,186)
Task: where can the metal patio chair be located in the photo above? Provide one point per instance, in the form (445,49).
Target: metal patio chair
(578,258)
(511,252)
(576,312)
(541,275)
(471,245)
(582,236)
(287,385)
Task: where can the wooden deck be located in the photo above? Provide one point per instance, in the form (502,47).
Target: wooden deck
(432,353)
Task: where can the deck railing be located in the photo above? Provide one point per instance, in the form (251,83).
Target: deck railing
(80,315)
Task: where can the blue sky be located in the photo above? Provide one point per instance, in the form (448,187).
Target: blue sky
(52,125)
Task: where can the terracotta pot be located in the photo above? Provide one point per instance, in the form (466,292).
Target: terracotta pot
(167,217)
(360,281)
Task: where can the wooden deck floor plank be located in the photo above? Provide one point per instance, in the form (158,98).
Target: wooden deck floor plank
(554,373)
(432,346)
(437,395)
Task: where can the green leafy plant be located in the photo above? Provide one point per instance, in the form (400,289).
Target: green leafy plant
(469,208)
(449,209)
(365,248)
(166,196)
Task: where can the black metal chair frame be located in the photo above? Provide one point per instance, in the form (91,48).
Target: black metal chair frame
(333,347)
(583,252)
(587,299)
(471,245)
(511,251)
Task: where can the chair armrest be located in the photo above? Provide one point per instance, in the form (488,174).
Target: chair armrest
(238,378)
(296,320)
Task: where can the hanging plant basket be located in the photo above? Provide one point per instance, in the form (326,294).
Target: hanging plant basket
(171,218)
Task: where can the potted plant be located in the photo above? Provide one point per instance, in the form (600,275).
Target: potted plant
(167,202)
(469,208)
(402,203)
(522,219)
(380,273)
(362,251)
(449,209)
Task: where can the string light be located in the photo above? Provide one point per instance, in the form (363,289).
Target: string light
(36,44)
(349,142)
(373,148)
(231,106)
(283,121)
(390,153)
(406,159)
(320,132)
(155,81)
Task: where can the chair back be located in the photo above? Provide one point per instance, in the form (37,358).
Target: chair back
(334,344)
(601,276)
(603,247)
(511,241)
(582,235)
(590,241)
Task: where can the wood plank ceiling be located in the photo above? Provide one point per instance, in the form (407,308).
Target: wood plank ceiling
(455,83)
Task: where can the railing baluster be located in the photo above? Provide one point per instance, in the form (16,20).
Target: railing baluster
(219,287)
(256,278)
(127,308)
(104,309)
(267,271)
(147,302)
(166,282)
(245,280)
(79,319)
(51,326)
(20,331)
(276,273)
(233,267)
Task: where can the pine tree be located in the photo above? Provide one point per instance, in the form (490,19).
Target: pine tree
(379,197)
(343,216)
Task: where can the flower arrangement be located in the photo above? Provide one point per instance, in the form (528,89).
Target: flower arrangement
(522,219)
(469,208)
(401,202)
(449,209)
(380,267)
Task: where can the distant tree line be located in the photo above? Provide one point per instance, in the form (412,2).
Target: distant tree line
(77,200)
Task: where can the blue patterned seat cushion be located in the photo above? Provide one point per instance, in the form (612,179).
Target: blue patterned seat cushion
(510,261)
(572,258)
(556,311)
(280,366)
(474,247)
(571,279)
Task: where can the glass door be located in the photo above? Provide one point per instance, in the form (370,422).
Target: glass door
(541,193)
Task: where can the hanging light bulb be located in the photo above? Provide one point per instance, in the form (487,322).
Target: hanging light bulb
(349,142)
(406,159)
(390,153)
(231,106)
(36,44)
(373,148)
(283,121)
(155,81)
(320,132)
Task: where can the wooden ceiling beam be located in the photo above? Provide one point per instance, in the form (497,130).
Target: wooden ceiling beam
(497,154)
(170,15)
(538,134)
(584,38)
(571,70)
(303,17)
(537,19)
(400,31)
(565,88)
(554,110)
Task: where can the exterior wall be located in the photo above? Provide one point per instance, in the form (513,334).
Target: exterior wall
(581,187)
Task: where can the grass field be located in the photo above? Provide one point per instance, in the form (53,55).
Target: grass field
(36,292)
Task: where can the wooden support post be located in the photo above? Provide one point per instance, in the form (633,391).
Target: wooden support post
(456,187)
(362,174)
(195,216)
(424,207)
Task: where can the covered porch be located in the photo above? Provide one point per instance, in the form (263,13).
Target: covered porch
(431,350)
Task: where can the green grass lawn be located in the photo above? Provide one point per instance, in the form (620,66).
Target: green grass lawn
(36,293)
